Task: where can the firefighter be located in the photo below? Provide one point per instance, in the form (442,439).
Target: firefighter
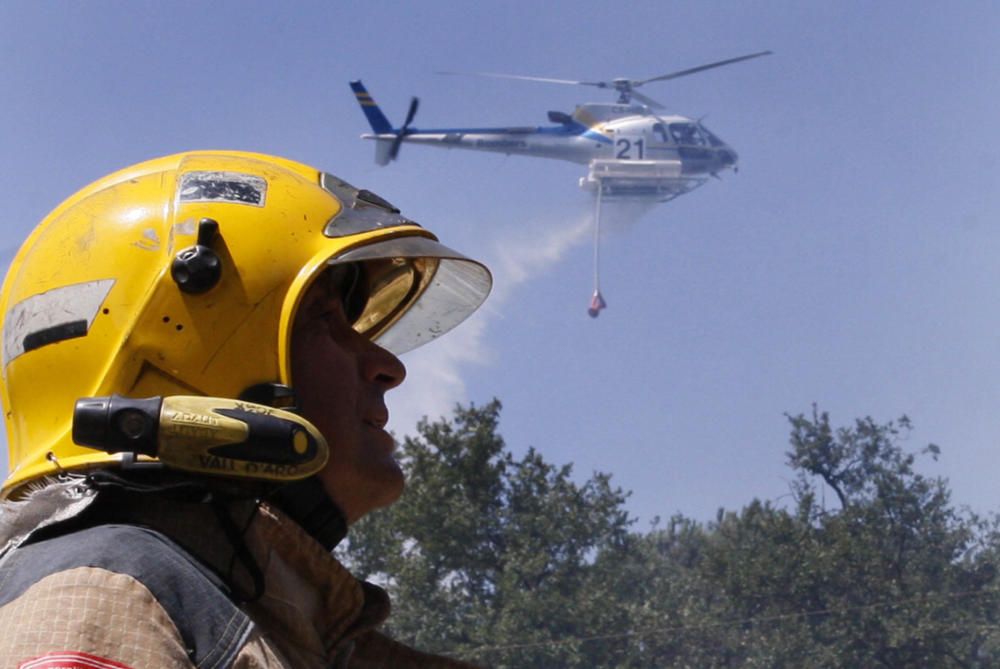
(196,353)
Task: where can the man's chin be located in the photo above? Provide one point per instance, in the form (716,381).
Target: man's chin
(390,482)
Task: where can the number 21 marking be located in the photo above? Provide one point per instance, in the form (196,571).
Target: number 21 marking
(624,147)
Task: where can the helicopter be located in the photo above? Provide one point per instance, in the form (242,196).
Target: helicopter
(632,150)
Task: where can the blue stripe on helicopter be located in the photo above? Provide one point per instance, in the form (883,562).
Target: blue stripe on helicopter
(597,136)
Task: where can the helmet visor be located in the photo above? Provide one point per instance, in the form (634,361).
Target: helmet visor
(414,290)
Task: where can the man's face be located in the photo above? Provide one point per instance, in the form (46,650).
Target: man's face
(340,379)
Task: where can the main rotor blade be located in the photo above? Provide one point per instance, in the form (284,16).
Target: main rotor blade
(701,68)
(494,75)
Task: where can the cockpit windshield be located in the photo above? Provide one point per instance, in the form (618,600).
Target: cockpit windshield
(712,139)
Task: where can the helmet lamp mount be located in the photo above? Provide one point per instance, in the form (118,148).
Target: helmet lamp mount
(197,268)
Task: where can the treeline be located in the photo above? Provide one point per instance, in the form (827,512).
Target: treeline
(508,562)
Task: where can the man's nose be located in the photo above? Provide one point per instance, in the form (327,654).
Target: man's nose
(383,367)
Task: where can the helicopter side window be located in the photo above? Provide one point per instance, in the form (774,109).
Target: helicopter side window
(660,130)
(687,134)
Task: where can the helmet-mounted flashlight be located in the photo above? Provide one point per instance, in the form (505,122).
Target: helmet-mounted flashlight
(208,435)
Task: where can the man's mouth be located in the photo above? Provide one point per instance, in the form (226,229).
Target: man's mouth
(377,421)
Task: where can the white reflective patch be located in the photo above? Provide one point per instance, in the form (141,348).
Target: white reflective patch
(149,241)
(222,186)
(55,315)
(187,227)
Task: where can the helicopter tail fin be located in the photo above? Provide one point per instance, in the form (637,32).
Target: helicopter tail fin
(383,151)
(379,123)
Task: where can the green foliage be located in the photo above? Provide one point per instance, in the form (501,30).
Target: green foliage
(486,550)
(511,563)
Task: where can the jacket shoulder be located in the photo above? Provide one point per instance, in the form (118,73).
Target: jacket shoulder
(212,627)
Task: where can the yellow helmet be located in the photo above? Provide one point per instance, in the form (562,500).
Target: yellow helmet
(182,276)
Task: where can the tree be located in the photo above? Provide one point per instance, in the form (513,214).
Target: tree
(912,577)
(511,563)
(488,556)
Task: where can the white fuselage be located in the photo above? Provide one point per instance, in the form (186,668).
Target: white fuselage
(595,131)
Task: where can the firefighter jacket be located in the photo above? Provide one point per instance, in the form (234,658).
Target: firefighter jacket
(165,585)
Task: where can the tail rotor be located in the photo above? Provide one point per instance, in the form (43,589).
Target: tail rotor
(404,129)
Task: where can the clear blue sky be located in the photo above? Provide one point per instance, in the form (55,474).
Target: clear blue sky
(853,261)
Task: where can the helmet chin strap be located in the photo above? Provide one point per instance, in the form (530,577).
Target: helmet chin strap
(307,503)
(304,501)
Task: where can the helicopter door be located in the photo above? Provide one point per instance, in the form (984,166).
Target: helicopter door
(630,147)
